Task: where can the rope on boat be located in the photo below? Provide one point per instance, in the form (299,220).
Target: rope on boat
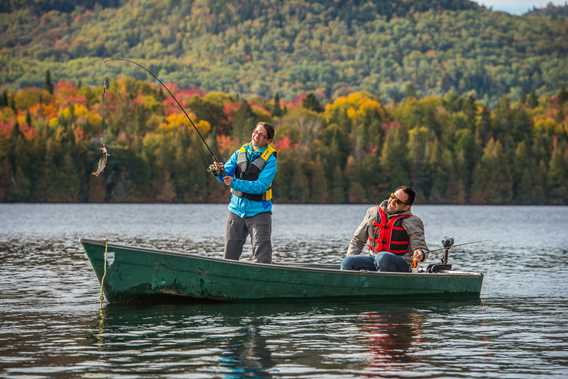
(101,293)
(102,299)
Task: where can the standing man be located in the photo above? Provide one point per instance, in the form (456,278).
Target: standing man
(393,235)
(249,173)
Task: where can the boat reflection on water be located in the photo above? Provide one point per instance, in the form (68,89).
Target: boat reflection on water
(263,339)
(390,335)
(248,355)
(395,335)
(214,339)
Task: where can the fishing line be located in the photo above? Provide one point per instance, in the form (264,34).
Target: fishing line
(461,244)
(181,108)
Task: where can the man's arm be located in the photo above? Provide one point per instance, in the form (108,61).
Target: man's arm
(360,235)
(415,229)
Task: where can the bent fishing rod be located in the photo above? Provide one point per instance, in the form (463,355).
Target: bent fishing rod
(447,247)
(181,108)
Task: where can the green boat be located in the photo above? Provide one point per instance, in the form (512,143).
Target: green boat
(131,274)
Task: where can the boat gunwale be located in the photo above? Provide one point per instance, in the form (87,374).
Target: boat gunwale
(276,266)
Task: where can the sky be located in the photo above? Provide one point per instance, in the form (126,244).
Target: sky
(517,6)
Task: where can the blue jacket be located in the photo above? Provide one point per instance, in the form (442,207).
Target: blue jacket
(244,207)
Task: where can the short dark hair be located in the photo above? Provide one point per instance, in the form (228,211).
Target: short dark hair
(268,128)
(409,192)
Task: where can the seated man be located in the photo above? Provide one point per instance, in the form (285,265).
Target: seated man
(393,234)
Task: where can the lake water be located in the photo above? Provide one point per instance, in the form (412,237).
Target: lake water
(51,324)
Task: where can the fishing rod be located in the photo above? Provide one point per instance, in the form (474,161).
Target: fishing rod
(213,156)
(447,244)
(452,245)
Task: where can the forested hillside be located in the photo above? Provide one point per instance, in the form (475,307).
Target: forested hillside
(451,148)
(467,105)
(551,10)
(391,49)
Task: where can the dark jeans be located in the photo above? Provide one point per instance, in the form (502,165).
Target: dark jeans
(385,262)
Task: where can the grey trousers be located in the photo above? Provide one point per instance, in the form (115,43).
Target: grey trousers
(259,228)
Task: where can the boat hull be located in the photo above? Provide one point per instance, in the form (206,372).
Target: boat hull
(134,273)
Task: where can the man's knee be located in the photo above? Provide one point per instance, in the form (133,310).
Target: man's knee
(387,262)
(347,263)
(358,262)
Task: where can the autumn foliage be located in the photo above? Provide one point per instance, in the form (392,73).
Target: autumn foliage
(452,148)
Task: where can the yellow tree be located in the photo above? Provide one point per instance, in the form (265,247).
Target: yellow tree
(361,115)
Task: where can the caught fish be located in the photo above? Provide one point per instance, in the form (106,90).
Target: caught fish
(102,161)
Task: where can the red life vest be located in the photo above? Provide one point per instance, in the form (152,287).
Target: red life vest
(387,234)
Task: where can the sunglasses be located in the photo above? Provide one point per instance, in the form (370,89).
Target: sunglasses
(397,200)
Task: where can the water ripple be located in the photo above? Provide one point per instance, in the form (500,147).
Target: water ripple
(51,324)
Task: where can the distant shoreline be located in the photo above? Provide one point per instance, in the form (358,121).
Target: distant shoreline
(275,204)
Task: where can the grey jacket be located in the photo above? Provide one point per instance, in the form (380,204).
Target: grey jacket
(413,226)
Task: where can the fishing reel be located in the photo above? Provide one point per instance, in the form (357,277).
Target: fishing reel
(214,170)
(447,244)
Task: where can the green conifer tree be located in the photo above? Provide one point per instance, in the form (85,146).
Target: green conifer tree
(557,175)
(419,170)
(393,163)
(277,109)
(337,186)
(563,95)
(523,176)
(467,153)
(4,102)
(493,182)
(483,126)
(281,187)
(532,100)
(311,102)
(299,191)
(166,192)
(48,82)
(318,183)
(244,122)
(353,174)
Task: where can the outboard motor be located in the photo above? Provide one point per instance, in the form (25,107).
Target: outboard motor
(447,243)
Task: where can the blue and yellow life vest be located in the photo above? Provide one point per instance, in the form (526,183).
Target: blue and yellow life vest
(251,170)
